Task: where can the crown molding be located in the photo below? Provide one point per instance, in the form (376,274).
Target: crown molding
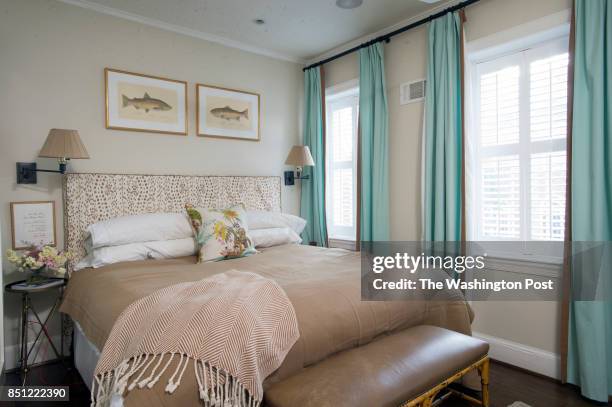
(371,36)
(180,30)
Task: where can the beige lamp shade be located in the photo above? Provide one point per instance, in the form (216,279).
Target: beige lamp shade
(300,156)
(63,143)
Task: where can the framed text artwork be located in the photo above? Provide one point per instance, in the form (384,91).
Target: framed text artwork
(33,223)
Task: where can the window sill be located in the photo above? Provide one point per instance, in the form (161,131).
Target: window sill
(535,267)
(336,243)
(542,259)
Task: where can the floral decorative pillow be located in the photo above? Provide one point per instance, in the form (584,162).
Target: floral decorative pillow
(221,234)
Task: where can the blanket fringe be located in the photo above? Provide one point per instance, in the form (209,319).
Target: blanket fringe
(216,387)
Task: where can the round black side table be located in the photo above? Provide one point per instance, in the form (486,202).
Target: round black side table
(20,287)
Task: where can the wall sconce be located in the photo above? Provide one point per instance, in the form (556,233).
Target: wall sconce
(299,156)
(62,144)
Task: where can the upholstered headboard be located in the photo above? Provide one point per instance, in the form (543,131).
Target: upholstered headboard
(90,198)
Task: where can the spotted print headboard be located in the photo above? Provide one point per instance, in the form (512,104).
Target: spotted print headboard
(90,198)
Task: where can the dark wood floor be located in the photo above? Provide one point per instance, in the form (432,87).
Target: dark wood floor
(53,374)
(507,386)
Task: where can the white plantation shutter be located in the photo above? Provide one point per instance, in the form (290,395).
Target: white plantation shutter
(341,136)
(520,129)
(548,98)
(548,196)
(499,107)
(501,197)
(341,183)
(342,193)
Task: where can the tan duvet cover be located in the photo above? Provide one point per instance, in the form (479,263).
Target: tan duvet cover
(322,284)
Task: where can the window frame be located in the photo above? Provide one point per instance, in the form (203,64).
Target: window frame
(333,96)
(482,62)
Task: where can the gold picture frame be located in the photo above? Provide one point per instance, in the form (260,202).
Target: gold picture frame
(35,224)
(234,119)
(131,114)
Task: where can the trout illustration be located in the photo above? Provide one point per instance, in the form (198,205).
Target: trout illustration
(146,102)
(228,113)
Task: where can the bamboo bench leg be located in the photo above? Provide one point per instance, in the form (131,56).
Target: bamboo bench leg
(483,371)
(427,399)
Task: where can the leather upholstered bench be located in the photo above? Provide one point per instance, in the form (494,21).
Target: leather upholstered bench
(409,368)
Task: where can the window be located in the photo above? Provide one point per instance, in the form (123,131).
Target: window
(518,144)
(342,108)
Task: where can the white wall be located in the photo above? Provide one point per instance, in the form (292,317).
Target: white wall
(532,324)
(52,57)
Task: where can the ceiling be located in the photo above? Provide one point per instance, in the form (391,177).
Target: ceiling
(294,29)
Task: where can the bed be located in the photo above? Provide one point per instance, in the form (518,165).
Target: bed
(323,285)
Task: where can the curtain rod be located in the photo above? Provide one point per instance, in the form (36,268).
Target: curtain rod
(387,37)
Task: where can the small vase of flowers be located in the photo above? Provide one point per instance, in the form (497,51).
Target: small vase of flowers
(41,262)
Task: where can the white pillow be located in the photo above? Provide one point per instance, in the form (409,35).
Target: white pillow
(266,220)
(166,249)
(273,237)
(149,227)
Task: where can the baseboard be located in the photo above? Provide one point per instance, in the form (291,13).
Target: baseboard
(526,357)
(11,352)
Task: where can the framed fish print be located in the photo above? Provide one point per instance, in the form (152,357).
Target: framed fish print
(145,103)
(227,113)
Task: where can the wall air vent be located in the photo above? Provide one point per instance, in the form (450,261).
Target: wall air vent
(411,92)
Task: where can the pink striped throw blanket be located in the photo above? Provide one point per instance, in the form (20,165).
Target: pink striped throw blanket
(234,329)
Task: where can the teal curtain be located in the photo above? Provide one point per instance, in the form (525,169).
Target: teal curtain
(589,363)
(442,161)
(312,206)
(373,145)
